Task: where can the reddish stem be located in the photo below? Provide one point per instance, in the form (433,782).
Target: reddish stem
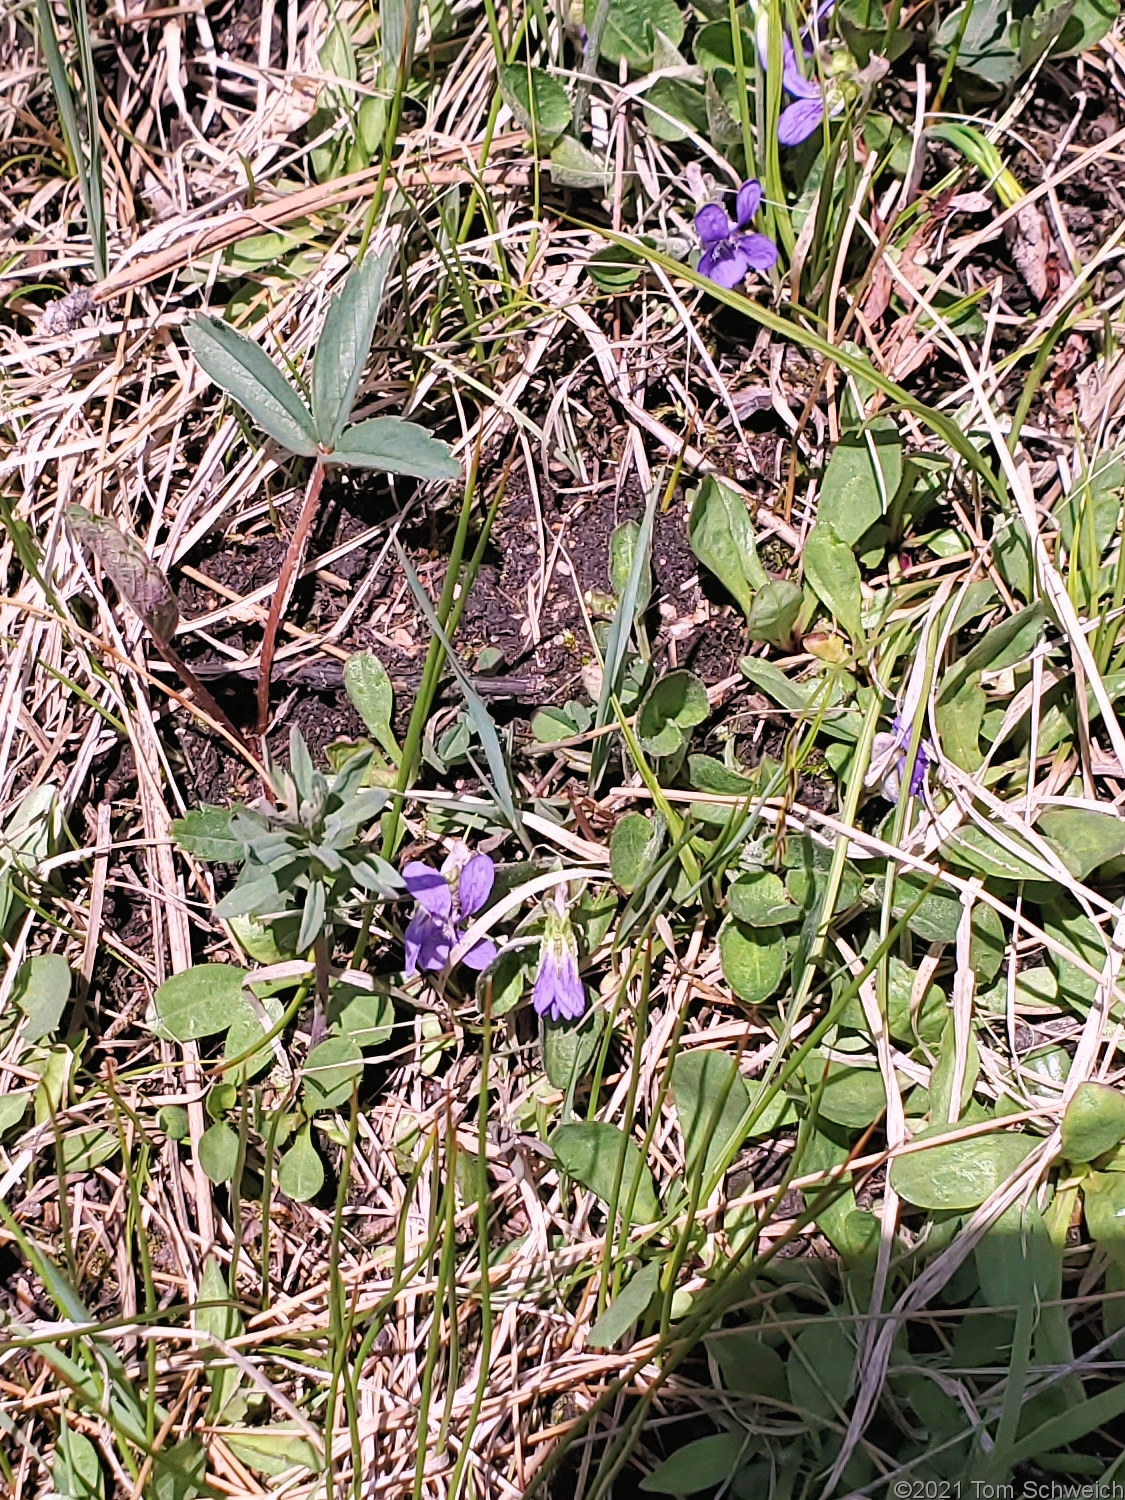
(290,566)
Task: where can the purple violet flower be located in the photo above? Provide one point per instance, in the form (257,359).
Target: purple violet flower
(813,100)
(889,752)
(439,916)
(558,993)
(729,252)
(803,118)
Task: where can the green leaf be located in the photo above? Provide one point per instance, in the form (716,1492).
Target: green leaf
(631,28)
(173,1120)
(614,268)
(711,1101)
(300,1173)
(748,1366)
(974,848)
(574,166)
(344,345)
(83,1150)
(852,492)
(246,1031)
(396,447)
(329,1072)
(852,1097)
(365,1017)
(1103,1200)
(246,372)
(701,1465)
(774,612)
(1094,1122)
(941,1079)
(42,993)
(820,1369)
(201,1001)
(674,705)
(180,1473)
(373,698)
(959,1175)
(538,101)
(569,1047)
(833,575)
(1084,27)
(623,545)
(76,1473)
(216,1312)
(273,1449)
(312,916)
(722,538)
(707,774)
(1084,838)
(773,682)
(761,900)
(632,1300)
(753,962)
(218,1151)
(206,832)
(633,848)
(590,1153)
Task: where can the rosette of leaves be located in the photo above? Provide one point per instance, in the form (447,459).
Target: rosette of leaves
(303,854)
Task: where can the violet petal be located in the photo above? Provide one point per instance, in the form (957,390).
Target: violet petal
(792,79)
(748,202)
(475,884)
(429,888)
(481,954)
(726,264)
(427,944)
(800,121)
(712,225)
(760,252)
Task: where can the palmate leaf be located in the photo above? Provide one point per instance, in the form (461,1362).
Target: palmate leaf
(344,345)
(246,372)
(396,447)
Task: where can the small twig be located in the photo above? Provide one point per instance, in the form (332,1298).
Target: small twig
(285,579)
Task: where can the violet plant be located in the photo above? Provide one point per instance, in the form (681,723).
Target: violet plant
(558,992)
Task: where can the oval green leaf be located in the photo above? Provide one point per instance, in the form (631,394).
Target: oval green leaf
(589,1152)
(300,1174)
(753,962)
(218,1151)
(959,1175)
(1094,1122)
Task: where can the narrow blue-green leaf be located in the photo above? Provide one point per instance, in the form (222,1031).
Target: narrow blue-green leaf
(500,783)
(620,633)
(247,373)
(345,342)
(395,446)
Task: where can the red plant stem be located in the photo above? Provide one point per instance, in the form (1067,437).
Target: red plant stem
(290,567)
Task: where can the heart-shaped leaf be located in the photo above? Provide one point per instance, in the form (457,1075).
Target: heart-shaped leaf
(753,962)
(671,709)
(711,1101)
(218,1151)
(1094,1122)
